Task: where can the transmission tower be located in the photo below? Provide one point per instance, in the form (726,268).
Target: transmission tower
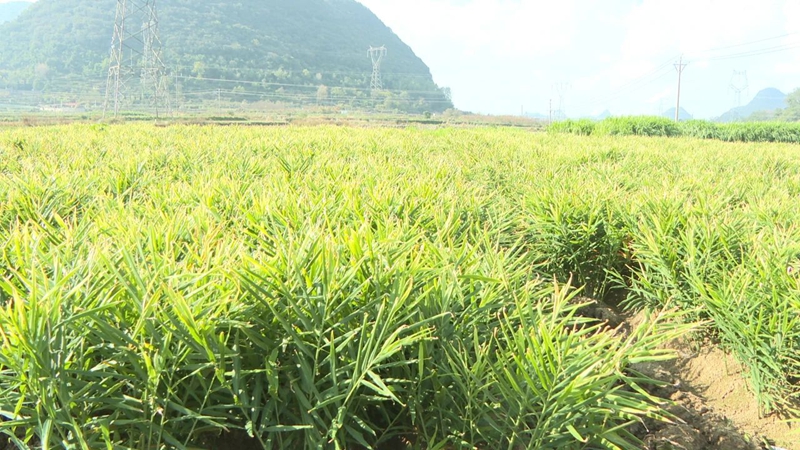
(136,59)
(376,55)
(739,84)
(561,90)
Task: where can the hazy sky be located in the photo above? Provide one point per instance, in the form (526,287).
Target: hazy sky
(499,55)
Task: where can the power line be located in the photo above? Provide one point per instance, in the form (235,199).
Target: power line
(759,52)
(218,97)
(65,89)
(679,66)
(262,71)
(214,93)
(660,71)
(294,85)
(656,74)
(710,50)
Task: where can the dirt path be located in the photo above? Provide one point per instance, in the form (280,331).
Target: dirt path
(711,385)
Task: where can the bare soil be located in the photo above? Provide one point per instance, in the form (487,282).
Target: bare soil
(709,395)
(712,398)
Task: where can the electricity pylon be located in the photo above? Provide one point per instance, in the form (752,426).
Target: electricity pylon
(136,58)
(739,84)
(376,55)
(561,89)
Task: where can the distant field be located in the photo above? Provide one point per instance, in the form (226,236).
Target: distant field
(340,287)
(275,117)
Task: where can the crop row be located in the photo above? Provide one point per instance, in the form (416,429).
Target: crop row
(338,288)
(661,127)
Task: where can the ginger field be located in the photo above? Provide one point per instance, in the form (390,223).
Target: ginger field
(207,287)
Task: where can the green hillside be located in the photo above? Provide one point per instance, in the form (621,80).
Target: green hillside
(60,44)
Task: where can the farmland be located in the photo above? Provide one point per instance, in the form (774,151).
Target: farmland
(333,287)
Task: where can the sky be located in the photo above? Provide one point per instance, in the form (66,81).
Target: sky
(507,56)
(587,56)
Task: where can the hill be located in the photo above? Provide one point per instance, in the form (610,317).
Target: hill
(535,115)
(603,115)
(767,100)
(684,115)
(298,43)
(11,10)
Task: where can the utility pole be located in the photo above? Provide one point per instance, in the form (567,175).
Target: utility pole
(679,67)
(376,55)
(550,120)
(219,101)
(177,92)
(136,54)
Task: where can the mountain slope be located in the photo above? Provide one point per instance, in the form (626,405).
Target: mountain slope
(684,115)
(769,99)
(297,42)
(11,10)
(603,115)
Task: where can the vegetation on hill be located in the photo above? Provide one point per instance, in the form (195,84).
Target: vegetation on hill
(767,102)
(769,105)
(789,113)
(302,49)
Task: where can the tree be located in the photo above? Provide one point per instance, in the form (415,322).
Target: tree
(793,99)
(448,94)
(763,116)
(339,95)
(322,94)
(199,69)
(792,111)
(41,70)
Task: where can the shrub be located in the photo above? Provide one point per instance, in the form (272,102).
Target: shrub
(582,127)
(305,288)
(637,126)
(700,129)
